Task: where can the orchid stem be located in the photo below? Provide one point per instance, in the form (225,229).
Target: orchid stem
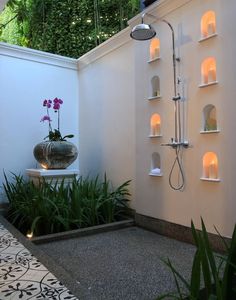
(58,120)
(49,121)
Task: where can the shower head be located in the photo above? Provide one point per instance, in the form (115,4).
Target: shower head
(142,32)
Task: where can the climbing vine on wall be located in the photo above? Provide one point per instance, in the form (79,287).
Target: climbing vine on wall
(66,27)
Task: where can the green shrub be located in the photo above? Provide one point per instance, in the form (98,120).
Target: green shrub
(213,276)
(55,207)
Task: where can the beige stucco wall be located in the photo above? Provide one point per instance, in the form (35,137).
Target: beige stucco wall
(215,202)
(115,114)
(2,4)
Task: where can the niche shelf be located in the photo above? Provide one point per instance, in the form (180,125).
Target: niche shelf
(209,131)
(208,72)
(210,167)
(208,84)
(207,38)
(155,88)
(154,98)
(210,179)
(209,119)
(152,60)
(208,25)
(155,126)
(155,169)
(154,50)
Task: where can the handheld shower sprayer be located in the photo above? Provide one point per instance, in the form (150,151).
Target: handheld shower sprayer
(143,32)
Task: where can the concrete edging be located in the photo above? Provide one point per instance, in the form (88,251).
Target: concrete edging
(82,232)
(177,231)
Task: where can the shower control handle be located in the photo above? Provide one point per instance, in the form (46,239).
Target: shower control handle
(175,144)
(176,98)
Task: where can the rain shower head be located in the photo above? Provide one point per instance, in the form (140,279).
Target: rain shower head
(142,32)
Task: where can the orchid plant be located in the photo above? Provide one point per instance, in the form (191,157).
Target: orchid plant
(54,135)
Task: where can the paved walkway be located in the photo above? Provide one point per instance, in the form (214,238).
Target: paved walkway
(22,276)
(123,264)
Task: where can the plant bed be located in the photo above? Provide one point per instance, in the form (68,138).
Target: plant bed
(57,207)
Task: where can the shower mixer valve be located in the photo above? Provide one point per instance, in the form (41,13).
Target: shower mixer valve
(175,144)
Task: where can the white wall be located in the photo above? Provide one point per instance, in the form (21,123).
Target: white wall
(107,111)
(27,77)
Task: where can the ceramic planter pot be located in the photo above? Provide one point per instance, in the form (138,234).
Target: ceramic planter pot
(56,154)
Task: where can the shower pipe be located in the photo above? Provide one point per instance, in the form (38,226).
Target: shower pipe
(176,143)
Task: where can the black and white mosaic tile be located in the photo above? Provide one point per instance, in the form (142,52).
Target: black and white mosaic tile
(23,277)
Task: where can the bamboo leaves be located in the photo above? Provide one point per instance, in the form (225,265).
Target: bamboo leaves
(66,27)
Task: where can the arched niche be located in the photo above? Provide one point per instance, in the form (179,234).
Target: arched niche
(209,118)
(208,24)
(208,70)
(155,125)
(210,165)
(154,49)
(155,87)
(155,165)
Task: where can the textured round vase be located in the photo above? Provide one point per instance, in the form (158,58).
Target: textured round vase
(56,154)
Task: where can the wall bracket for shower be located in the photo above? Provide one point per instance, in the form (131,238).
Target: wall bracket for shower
(176,98)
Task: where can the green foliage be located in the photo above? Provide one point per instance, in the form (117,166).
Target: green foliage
(50,208)
(218,273)
(66,27)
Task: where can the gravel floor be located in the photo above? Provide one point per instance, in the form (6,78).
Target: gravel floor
(123,264)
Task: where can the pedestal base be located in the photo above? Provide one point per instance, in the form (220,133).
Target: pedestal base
(52,176)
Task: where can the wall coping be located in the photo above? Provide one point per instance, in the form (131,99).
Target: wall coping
(159,8)
(37,56)
(115,42)
(2,4)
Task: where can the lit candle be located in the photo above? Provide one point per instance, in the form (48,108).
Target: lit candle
(205,78)
(211,29)
(156,52)
(206,171)
(211,75)
(204,32)
(156,129)
(213,170)
(153,131)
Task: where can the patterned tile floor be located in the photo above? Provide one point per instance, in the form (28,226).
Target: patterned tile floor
(22,276)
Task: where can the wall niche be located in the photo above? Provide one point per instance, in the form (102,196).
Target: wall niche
(155,169)
(209,119)
(208,24)
(210,167)
(154,49)
(155,88)
(155,125)
(208,72)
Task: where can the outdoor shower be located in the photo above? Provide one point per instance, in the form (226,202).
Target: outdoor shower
(143,32)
